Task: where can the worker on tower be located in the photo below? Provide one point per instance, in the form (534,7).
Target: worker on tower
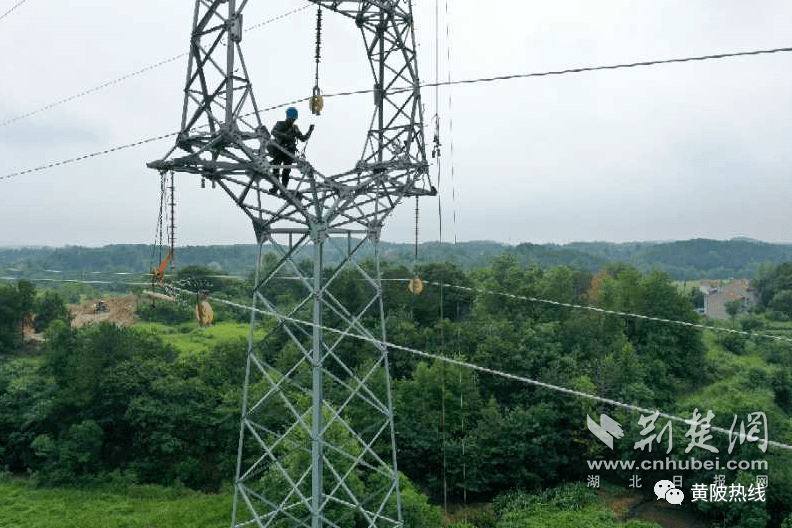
(286,133)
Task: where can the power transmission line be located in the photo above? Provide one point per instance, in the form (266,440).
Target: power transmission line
(12,9)
(616,312)
(76,281)
(465,364)
(461,363)
(616,66)
(90,90)
(583,69)
(133,74)
(86,156)
(429,85)
(595,309)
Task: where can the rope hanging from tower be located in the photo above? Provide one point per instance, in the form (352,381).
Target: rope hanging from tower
(316,103)
(166,187)
(164,217)
(415,285)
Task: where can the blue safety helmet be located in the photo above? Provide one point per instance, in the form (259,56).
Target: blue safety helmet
(291,112)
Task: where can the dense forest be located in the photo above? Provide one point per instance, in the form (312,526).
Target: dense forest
(682,260)
(107,403)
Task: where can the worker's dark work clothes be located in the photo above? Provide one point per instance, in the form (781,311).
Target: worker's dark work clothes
(281,158)
(286,133)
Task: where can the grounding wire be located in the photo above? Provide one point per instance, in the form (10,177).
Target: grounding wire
(133,74)
(12,9)
(429,85)
(472,366)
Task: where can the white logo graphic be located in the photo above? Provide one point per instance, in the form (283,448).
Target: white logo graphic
(665,489)
(675,496)
(606,430)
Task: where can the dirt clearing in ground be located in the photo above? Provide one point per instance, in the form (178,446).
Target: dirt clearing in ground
(119,310)
(29,332)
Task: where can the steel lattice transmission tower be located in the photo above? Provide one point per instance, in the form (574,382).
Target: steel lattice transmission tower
(317,440)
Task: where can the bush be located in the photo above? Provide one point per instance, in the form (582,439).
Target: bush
(474,516)
(571,497)
(416,510)
(164,312)
(76,453)
(734,343)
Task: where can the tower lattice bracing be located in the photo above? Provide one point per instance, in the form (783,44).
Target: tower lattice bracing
(317,440)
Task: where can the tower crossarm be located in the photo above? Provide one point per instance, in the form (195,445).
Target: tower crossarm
(223,138)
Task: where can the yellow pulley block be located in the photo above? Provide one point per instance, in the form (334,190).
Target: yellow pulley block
(204,313)
(316,102)
(416,286)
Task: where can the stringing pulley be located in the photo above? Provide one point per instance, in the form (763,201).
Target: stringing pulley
(316,103)
(415,285)
(203,310)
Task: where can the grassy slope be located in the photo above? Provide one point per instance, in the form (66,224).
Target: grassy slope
(24,506)
(189,338)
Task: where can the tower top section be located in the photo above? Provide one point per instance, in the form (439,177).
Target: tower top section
(223,139)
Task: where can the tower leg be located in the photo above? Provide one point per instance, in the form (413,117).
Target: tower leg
(317,443)
(318,392)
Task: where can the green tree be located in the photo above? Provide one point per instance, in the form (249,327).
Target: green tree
(26,398)
(748,514)
(81,359)
(509,281)
(558,285)
(439,405)
(76,453)
(16,303)
(176,426)
(447,291)
(735,307)
(782,302)
(673,353)
(48,307)
(697,298)
(196,278)
(345,461)
(771,279)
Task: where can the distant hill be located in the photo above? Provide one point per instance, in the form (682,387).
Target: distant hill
(718,259)
(684,260)
(238,259)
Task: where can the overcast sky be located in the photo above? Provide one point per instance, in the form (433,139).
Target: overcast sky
(660,153)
